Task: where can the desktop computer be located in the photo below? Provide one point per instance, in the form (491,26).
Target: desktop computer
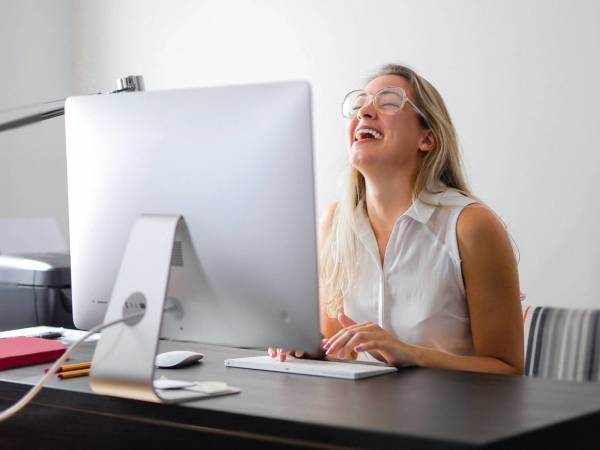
(200,201)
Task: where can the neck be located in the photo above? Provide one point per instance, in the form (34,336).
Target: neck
(387,198)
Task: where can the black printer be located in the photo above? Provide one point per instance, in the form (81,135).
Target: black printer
(35,289)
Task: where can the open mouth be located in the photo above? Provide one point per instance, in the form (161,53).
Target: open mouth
(367,134)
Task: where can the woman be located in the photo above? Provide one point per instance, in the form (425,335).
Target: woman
(415,270)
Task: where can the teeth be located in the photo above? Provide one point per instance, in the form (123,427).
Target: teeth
(359,134)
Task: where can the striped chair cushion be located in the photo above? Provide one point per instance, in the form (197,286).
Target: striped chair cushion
(562,343)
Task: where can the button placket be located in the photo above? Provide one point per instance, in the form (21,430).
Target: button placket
(384,269)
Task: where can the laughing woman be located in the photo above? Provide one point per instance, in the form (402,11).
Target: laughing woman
(415,270)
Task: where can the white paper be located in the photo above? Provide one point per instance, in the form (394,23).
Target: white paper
(164,383)
(209,387)
(69,336)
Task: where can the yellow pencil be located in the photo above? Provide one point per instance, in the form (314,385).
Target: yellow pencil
(76,366)
(73,374)
(68,367)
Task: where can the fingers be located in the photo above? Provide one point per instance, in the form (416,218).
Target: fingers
(321,353)
(365,337)
(341,338)
(345,320)
(357,339)
(283,354)
(344,330)
(279,353)
(367,346)
(346,344)
(347,323)
(377,348)
(337,343)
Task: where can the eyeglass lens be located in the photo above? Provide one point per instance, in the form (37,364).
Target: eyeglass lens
(387,101)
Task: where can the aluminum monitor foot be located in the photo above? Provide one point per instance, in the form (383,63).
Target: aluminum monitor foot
(124,361)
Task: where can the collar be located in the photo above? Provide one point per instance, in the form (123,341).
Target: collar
(420,210)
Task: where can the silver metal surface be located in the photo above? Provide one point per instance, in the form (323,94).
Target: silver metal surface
(141,285)
(133,83)
(30,114)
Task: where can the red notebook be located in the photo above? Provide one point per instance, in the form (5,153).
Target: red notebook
(27,351)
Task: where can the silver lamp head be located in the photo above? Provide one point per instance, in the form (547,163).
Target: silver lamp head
(131,83)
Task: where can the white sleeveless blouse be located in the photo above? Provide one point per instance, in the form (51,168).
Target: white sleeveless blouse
(418,295)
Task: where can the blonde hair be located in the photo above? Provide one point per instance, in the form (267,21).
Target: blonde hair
(441,169)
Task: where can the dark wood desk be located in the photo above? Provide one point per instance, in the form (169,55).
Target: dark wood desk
(413,409)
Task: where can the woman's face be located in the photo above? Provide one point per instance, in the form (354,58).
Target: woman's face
(400,138)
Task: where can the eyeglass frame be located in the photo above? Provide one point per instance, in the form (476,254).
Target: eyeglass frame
(405,100)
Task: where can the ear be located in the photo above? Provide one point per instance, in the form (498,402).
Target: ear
(427,141)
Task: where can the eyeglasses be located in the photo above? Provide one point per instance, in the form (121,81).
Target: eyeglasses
(389,100)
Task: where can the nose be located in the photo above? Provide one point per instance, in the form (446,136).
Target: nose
(367,110)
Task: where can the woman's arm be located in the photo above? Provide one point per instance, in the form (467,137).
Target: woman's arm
(329,326)
(491,282)
(492,286)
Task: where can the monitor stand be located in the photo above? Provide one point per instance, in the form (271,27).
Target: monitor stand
(159,251)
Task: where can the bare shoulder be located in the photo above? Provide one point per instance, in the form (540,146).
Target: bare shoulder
(481,234)
(477,223)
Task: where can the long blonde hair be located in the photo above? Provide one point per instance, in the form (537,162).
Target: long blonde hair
(441,169)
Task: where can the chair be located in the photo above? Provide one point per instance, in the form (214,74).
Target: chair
(562,343)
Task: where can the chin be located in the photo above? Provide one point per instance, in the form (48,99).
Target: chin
(370,149)
(362,159)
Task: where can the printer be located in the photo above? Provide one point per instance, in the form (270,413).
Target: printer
(35,289)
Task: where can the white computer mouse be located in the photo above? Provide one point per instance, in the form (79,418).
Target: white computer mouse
(177,359)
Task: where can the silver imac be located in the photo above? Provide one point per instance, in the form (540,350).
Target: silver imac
(236,163)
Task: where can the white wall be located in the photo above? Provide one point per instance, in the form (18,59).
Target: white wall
(35,50)
(520,79)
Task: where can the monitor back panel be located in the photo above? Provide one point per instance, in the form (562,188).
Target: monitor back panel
(237,164)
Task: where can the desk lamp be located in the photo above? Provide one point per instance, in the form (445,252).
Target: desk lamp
(56,108)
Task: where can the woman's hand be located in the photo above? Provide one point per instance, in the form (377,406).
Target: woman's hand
(368,337)
(282,354)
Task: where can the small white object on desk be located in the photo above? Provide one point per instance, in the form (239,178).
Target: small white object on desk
(210,387)
(169,387)
(165,383)
(177,359)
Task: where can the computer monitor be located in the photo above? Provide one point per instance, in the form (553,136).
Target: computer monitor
(237,163)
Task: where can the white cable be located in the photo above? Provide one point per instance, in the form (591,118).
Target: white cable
(12,410)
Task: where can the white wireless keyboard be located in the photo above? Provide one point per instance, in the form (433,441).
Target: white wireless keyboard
(333,369)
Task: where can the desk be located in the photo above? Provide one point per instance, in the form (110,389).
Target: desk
(415,409)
